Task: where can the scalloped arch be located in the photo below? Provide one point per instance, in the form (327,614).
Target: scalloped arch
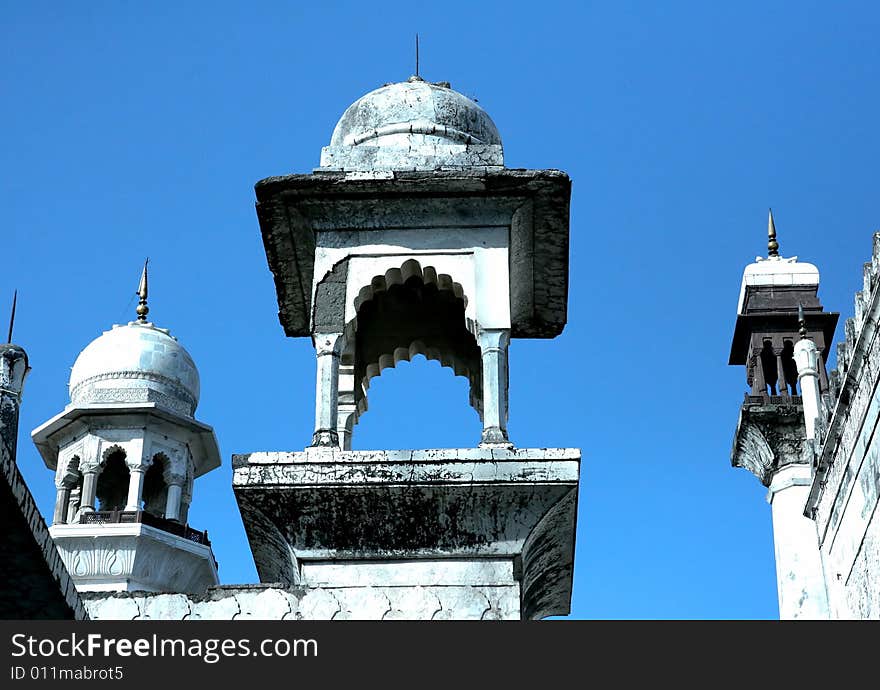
(411,270)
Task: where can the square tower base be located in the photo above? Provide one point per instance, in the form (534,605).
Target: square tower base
(481,520)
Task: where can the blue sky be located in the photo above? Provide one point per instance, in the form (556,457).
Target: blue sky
(135,130)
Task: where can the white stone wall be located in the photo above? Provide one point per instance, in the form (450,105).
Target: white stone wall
(846,491)
(267,602)
(477,258)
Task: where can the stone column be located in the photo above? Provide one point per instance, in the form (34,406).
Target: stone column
(800,577)
(175,494)
(62,497)
(759,385)
(73,506)
(345,402)
(327,347)
(493,344)
(186,497)
(806,356)
(770,443)
(90,485)
(136,486)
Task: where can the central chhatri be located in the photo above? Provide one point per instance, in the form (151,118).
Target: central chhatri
(413,125)
(412,238)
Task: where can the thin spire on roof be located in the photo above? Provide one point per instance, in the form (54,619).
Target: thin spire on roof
(12,316)
(142,308)
(772,244)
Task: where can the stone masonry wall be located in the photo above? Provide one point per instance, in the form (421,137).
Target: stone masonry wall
(848,487)
(273,602)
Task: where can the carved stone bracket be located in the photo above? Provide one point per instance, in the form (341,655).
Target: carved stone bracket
(769,437)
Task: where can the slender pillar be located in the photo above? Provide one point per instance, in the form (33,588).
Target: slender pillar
(73,506)
(90,485)
(759,384)
(781,385)
(136,487)
(62,497)
(186,499)
(326,389)
(493,344)
(345,402)
(806,356)
(345,424)
(800,578)
(175,494)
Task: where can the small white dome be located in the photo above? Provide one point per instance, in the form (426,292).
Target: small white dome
(413,125)
(137,362)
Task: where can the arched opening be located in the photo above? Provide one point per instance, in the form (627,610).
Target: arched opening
(155,495)
(768,366)
(406,404)
(789,367)
(112,488)
(412,312)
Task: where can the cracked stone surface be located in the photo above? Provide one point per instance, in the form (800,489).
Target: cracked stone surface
(299,212)
(270,602)
(462,519)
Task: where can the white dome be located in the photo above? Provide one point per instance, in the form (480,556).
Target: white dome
(413,125)
(136,363)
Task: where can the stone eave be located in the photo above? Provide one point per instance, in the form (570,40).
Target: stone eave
(75,419)
(772,321)
(756,441)
(539,245)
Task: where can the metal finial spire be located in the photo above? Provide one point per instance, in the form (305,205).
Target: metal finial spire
(12,316)
(417,55)
(803,322)
(142,308)
(772,244)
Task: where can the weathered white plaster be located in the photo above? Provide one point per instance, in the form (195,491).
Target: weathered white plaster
(413,125)
(470,517)
(396,573)
(134,556)
(130,362)
(800,577)
(133,393)
(846,488)
(269,602)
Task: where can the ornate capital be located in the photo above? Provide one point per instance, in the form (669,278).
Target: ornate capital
(327,344)
(174,478)
(326,437)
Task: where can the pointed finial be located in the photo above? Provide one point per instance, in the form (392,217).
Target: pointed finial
(142,308)
(803,322)
(12,316)
(772,244)
(417,55)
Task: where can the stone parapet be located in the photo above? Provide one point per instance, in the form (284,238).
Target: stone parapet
(277,602)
